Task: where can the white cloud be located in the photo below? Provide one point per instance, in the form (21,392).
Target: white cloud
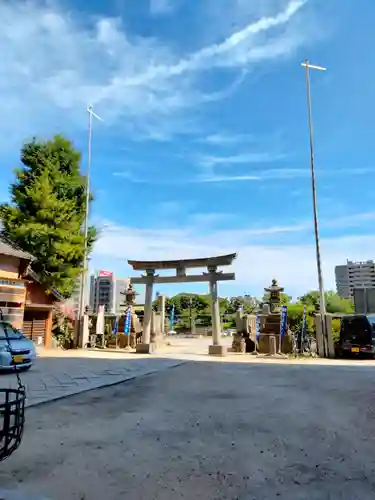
(237,50)
(241,158)
(258,261)
(225,139)
(228,178)
(49,68)
(264,175)
(158,7)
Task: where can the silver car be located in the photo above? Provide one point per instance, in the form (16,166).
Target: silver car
(21,351)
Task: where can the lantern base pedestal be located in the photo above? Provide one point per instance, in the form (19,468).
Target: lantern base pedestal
(145,348)
(217,350)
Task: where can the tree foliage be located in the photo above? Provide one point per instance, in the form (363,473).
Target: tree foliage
(188,305)
(334,303)
(47,210)
(247,303)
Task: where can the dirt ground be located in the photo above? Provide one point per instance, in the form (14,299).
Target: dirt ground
(205,431)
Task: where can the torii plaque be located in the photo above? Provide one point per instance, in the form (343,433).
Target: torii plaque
(212,276)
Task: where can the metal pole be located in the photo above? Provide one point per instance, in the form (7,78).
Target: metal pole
(190,307)
(316,222)
(86,223)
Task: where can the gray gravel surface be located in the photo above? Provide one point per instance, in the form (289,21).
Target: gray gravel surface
(205,431)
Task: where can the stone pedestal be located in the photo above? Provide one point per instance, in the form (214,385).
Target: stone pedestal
(217,350)
(273,346)
(145,348)
(162,313)
(270,327)
(324,349)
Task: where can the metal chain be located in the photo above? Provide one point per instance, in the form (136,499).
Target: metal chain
(20,384)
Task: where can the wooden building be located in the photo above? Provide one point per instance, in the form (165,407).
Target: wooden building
(23,299)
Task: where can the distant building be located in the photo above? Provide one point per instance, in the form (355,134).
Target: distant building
(354,275)
(106,289)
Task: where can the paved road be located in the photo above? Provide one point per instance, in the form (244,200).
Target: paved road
(62,373)
(206,431)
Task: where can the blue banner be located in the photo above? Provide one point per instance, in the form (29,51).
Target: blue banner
(115,327)
(304,324)
(171,318)
(257,327)
(283,320)
(128,319)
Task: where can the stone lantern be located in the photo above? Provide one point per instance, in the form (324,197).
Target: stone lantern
(130,296)
(130,299)
(275,296)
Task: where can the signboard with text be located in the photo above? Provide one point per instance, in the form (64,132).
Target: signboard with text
(105,273)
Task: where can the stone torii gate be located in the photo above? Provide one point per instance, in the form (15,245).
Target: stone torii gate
(180,266)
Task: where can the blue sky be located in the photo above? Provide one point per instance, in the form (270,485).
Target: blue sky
(203,148)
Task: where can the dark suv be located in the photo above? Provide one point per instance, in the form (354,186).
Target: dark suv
(357,334)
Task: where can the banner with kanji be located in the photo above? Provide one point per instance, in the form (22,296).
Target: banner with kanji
(171,318)
(128,319)
(283,320)
(257,327)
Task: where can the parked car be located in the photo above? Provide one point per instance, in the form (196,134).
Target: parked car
(357,334)
(21,351)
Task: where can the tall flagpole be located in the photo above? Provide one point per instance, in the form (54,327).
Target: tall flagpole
(309,66)
(83,283)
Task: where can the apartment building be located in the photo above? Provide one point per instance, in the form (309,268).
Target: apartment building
(354,275)
(107,290)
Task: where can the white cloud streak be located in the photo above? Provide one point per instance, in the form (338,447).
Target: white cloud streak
(238,49)
(49,68)
(241,158)
(225,139)
(264,175)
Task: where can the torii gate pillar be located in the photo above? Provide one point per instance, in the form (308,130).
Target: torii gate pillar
(216,349)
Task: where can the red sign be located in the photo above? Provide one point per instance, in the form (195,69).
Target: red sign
(105,273)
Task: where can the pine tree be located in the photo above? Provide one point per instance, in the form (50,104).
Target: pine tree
(47,210)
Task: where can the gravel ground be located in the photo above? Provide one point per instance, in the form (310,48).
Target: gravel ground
(205,431)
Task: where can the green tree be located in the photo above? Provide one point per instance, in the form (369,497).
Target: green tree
(295,317)
(248,303)
(311,298)
(47,209)
(334,303)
